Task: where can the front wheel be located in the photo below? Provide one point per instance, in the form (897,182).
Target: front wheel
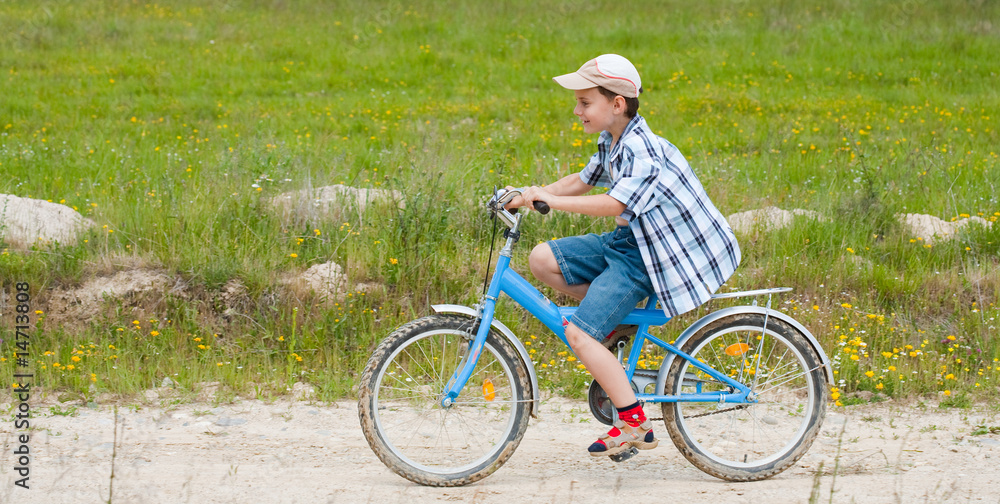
(754,441)
(400,402)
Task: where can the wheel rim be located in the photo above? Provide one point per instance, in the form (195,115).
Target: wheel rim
(757,434)
(407,411)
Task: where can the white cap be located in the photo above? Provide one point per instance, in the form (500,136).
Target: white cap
(610,71)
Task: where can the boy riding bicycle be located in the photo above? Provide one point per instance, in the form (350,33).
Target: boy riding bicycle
(670,239)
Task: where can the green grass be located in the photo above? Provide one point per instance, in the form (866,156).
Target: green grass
(171,125)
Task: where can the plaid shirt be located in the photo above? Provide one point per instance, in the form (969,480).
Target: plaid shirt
(687,245)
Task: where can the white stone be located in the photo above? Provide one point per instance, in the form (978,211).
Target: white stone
(334,197)
(930,228)
(768,218)
(26,221)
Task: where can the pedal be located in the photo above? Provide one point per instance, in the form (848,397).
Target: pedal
(625,455)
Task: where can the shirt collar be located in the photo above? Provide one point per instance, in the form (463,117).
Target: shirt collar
(605,139)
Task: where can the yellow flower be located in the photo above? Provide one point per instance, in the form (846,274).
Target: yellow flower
(293,255)
(218,364)
(846,305)
(947,392)
(75,358)
(879,386)
(869,374)
(70,367)
(154,333)
(93,377)
(393,261)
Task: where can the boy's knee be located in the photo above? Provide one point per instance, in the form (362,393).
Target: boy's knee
(542,260)
(576,337)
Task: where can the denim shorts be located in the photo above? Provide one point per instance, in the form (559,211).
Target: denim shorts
(612,264)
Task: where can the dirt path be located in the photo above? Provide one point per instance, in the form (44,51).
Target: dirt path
(252,451)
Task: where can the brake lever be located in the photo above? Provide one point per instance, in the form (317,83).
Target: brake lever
(504,196)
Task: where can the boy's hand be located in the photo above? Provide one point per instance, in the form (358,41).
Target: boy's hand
(529,196)
(515,203)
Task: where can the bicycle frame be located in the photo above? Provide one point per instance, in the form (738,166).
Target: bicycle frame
(507,281)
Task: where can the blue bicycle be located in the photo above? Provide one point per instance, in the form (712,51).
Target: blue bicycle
(445,399)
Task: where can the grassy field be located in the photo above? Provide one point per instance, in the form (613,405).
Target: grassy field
(171,125)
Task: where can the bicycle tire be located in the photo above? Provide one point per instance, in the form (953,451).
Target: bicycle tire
(758,440)
(400,408)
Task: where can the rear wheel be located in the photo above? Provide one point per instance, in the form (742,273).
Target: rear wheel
(747,442)
(400,403)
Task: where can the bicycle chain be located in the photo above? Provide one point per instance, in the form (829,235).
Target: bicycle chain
(742,406)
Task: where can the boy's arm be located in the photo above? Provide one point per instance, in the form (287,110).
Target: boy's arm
(566,194)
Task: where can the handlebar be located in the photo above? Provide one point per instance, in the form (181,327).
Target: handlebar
(500,199)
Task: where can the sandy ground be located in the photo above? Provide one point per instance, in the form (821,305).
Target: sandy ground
(278,452)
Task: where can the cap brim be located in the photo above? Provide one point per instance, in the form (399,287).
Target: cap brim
(574,81)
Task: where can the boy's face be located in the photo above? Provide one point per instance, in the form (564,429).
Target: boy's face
(596,111)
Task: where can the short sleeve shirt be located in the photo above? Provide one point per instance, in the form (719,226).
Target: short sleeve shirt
(688,247)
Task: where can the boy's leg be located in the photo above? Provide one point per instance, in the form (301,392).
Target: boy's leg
(611,296)
(632,429)
(602,364)
(546,269)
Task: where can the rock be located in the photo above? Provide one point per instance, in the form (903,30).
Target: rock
(769,218)
(326,280)
(26,221)
(930,228)
(84,303)
(303,391)
(229,422)
(336,197)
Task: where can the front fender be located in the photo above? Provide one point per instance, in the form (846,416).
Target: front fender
(509,336)
(661,379)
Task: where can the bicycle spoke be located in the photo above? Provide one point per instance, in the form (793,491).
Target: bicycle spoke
(763,435)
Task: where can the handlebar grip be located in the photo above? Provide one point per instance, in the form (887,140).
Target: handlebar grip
(542,207)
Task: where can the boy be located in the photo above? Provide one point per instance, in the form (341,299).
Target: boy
(670,239)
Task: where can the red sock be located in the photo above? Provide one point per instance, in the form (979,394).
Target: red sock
(632,414)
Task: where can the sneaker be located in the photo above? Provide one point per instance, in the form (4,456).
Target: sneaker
(623,436)
(621,333)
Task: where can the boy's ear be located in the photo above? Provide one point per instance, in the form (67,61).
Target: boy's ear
(620,104)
